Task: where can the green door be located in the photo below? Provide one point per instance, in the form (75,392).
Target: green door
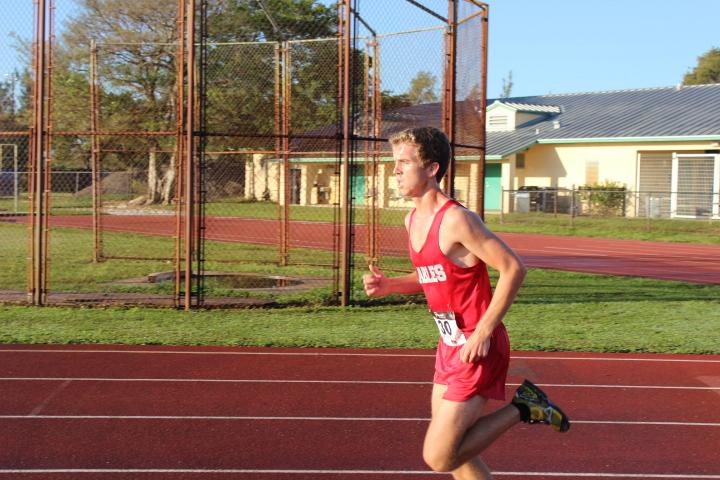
(358,185)
(493,189)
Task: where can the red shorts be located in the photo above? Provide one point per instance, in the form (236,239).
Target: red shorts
(486,377)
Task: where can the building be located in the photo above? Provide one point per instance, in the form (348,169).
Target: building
(661,142)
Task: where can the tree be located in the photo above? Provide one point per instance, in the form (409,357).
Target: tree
(507,86)
(137,71)
(7,105)
(422,88)
(707,69)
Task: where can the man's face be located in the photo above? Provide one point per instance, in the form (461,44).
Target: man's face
(413,179)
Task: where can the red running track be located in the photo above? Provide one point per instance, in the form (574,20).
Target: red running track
(107,412)
(663,260)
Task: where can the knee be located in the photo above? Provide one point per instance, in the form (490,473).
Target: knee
(438,461)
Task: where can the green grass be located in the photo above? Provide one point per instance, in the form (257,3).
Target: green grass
(554,311)
(657,230)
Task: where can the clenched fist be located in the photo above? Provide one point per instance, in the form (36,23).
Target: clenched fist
(374,282)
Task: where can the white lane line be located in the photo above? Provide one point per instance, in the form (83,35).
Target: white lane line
(236,471)
(363,382)
(192,352)
(618,359)
(321,419)
(349,354)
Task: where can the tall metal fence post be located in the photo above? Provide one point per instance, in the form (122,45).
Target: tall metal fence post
(38,207)
(190,173)
(483,107)
(448,106)
(346,170)
(95,154)
(179,150)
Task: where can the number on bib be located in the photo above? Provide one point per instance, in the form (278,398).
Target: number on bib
(449,330)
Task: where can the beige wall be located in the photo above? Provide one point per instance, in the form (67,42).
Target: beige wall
(547,165)
(563,166)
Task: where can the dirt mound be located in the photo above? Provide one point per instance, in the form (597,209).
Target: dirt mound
(114,183)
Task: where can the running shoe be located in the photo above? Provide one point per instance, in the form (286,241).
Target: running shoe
(535,407)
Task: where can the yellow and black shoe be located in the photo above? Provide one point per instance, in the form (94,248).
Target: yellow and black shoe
(535,407)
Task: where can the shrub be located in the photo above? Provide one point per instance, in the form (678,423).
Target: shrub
(607,198)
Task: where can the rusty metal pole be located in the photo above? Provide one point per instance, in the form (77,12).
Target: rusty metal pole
(482,135)
(38,218)
(32,161)
(345,172)
(190,156)
(367,165)
(377,130)
(48,148)
(450,86)
(179,148)
(336,283)
(284,170)
(483,107)
(95,154)
(278,138)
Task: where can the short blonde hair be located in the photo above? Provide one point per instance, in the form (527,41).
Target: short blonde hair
(432,146)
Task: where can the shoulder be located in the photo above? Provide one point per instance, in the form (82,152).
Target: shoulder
(460,222)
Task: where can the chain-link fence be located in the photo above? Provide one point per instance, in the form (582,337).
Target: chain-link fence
(145,146)
(15,98)
(533,204)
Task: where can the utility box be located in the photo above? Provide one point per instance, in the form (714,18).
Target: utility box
(522,202)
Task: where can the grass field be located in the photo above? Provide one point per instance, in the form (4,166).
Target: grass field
(555,311)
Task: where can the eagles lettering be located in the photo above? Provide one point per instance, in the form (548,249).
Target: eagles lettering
(431,274)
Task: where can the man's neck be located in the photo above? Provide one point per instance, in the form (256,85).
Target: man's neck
(430,201)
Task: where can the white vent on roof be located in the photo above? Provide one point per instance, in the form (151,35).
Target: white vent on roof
(556,124)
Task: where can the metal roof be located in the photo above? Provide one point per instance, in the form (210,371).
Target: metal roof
(652,113)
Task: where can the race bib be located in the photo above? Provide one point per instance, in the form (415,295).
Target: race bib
(449,330)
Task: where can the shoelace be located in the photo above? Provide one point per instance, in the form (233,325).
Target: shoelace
(548,414)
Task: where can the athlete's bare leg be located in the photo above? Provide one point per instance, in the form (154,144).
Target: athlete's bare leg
(458,432)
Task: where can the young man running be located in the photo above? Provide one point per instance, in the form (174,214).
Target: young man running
(450,248)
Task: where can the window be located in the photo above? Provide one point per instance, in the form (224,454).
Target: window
(592,172)
(679,185)
(520,160)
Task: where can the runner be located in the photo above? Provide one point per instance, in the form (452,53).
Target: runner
(450,248)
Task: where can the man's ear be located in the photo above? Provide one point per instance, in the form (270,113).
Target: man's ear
(433,168)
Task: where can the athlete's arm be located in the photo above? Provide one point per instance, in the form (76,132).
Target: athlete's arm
(466,230)
(377,284)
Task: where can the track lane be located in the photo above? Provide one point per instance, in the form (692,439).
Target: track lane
(293,365)
(329,400)
(299,445)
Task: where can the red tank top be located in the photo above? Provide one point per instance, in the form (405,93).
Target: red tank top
(449,287)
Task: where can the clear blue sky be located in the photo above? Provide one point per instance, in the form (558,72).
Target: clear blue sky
(551,46)
(565,46)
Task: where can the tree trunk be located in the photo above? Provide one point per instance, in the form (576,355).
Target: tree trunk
(152,184)
(168,181)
